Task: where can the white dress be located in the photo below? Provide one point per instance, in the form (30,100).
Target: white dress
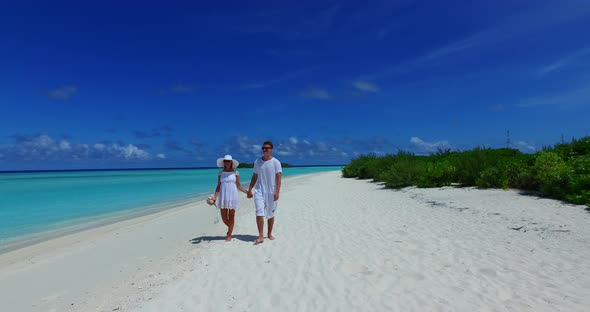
(228,191)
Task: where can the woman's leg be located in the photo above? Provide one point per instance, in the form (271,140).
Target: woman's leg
(224,216)
(230,221)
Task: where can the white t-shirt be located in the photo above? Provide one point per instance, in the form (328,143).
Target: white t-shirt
(266,171)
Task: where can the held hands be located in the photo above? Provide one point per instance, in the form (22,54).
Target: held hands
(250,195)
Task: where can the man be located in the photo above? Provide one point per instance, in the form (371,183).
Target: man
(267,182)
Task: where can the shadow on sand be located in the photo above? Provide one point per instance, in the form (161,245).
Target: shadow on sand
(244,238)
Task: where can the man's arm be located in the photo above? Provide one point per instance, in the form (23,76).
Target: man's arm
(278,185)
(252,184)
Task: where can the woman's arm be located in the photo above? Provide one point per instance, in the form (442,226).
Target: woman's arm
(239,185)
(218,186)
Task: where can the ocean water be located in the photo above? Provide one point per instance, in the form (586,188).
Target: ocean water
(32,203)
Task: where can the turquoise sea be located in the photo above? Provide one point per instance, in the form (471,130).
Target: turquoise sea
(36,202)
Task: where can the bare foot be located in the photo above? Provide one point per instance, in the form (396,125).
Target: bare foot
(228,238)
(271,237)
(260,240)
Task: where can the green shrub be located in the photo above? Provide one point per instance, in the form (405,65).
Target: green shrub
(357,168)
(492,177)
(437,173)
(520,173)
(552,174)
(404,170)
(561,171)
(572,150)
(579,183)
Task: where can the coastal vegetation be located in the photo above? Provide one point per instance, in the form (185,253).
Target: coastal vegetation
(561,171)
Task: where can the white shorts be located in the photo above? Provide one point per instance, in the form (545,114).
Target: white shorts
(265,205)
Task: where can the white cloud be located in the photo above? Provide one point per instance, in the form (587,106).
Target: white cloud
(65,145)
(525,146)
(64,93)
(365,86)
(428,147)
(43,147)
(322,147)
(519,25)
(130,152)
(242,146)
(99,146)
(451,48)
(316,94)
(301,150)
(161,156)
(569,60)
(570,98)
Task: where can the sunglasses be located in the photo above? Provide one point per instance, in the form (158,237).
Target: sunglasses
(266,148)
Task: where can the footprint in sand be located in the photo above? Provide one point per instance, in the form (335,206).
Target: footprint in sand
(354,268)
(488,272)
(275,299)
(53,296)
(457,290)
(417,276)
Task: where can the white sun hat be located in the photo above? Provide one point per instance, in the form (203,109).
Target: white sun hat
(235,163)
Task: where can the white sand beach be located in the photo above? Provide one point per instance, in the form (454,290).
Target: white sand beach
(341,245)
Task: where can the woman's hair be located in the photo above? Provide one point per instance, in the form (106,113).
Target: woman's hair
(268,143)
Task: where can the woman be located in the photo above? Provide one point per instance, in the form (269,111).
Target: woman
(226,193)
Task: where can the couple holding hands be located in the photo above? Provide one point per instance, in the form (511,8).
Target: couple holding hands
(266,183)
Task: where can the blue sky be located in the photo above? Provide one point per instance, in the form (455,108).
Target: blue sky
(175,84)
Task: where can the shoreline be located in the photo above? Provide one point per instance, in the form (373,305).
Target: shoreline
(28,245)
(91,268)
(81,225)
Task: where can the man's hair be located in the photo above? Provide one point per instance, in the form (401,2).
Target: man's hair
(268,143)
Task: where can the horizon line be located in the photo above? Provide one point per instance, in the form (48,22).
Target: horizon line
(138,169)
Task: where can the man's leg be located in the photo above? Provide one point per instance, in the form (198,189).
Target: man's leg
(271,222)
(271,205)
(259,203)
(260,223)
